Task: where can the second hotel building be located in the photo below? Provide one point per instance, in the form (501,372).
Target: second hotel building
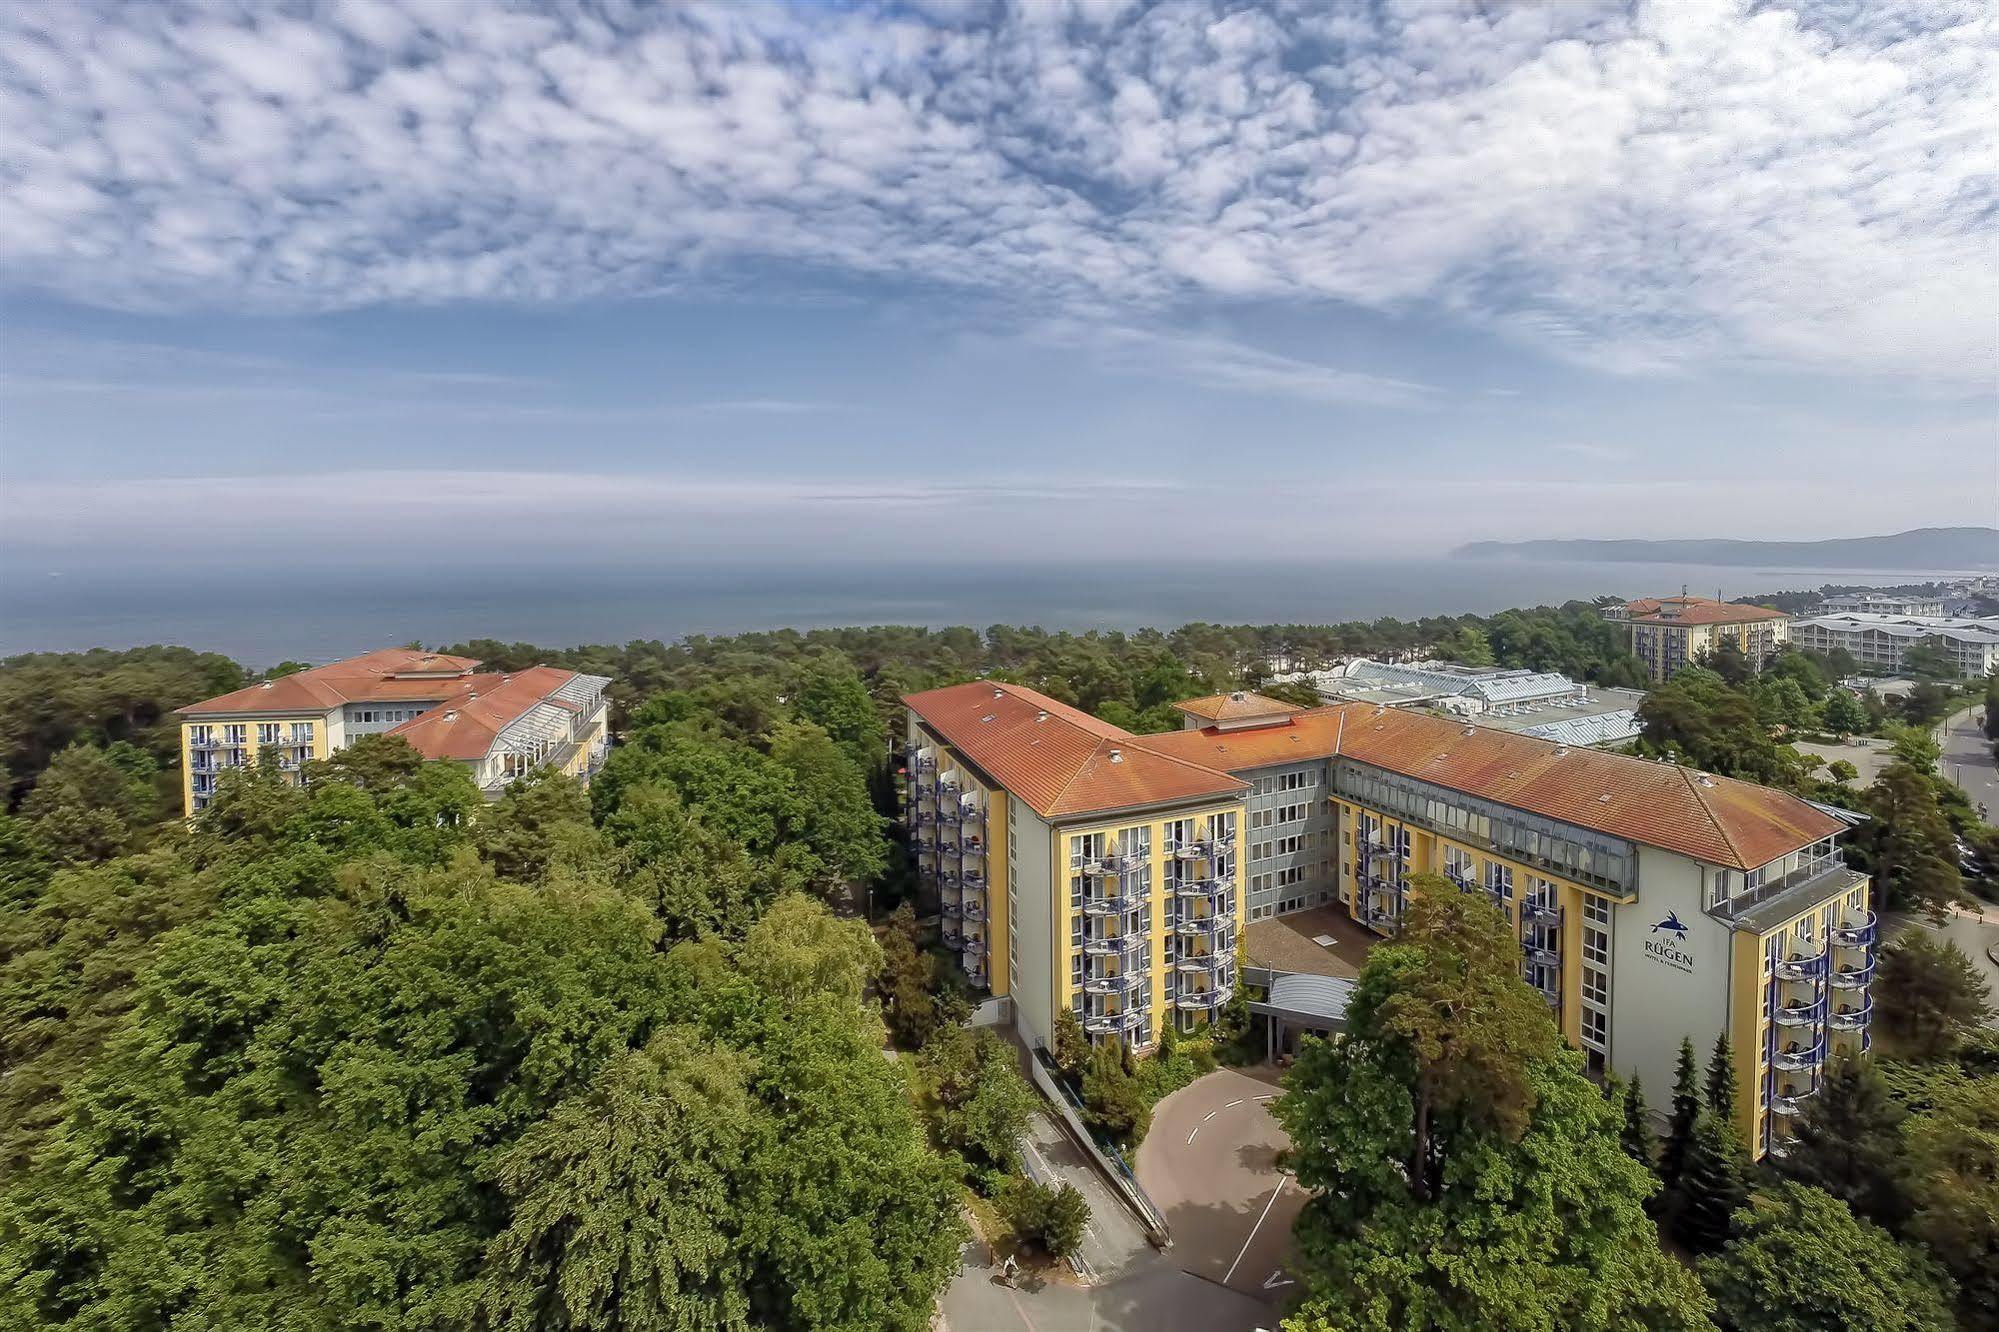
(1079,866)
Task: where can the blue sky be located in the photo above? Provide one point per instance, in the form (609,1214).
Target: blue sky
(1054,280)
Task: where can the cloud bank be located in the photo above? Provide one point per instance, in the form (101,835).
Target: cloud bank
(1693,182)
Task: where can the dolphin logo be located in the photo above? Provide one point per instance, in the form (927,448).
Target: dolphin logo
(1672,923)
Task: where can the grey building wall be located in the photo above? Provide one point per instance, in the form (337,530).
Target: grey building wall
(1265,843)
(1031,916)
(1663,988)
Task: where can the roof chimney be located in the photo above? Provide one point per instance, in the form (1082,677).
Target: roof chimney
(1561,750)
(265,685)
(451,715)
(1117,756)
(1042,715)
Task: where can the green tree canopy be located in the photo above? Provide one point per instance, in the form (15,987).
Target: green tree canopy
(1801,1262)
(1518,1206)
(1848,1141)
(1927,995)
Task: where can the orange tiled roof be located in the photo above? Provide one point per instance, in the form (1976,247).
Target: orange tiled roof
(1060,760)
(1698,610)
(389,675)
(1235,707)
(465,726)
(1716,819)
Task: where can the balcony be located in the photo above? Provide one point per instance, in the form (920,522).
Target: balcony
(1799,967)
(1855,933)
(947,788)
(924,818)
(975,944)
(1194,888)
(1381,850)
(953,910)
(1800,1015)
(974,845)
(1204,1000)
(1541,955)
(1201,964)
(1199,927)
(974,879)
(1110,945)
(953,937)
(1109,904)
(209,742)
(1852,978)
(1792,1104)
(925,763)
(1111,1024)
(975,910)
(1800,1057)
(1124,862)
(1853,1019)
(1540,913)
(1124,982)
(1203,848)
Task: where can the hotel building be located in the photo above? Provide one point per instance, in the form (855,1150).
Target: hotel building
(1878,642)
(1652,902)
(501,725)
(1669,632)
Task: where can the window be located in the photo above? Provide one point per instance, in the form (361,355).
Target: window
(1499,879)
(1460,865)
(267,733)
(1596,987)
(1596,1029)
(301,733)
(235,733)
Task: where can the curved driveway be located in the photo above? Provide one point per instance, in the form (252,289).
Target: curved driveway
(1210,1163)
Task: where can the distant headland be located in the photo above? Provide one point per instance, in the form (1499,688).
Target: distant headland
(1929,549)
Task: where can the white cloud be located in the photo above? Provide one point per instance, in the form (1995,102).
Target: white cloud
(1642,189)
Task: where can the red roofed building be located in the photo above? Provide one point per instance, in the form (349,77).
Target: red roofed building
(502,725)
(1080,867)
(1670,632)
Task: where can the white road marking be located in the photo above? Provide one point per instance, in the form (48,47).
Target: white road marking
(1258,1226)
(1211,1114)
(1190,1134)
(1273,1096)
(1230,1106)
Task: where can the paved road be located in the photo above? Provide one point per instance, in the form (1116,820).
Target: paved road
(1210,1162)
(1126,1285)
(1977,934)
(1967,760)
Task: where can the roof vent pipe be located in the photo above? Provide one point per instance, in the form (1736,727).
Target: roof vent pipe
(1117,756)
(1561,750)
(451,715)
(1042,715)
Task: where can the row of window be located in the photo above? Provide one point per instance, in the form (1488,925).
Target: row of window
(1284,781)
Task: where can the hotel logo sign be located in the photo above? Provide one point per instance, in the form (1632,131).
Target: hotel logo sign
(1668,944)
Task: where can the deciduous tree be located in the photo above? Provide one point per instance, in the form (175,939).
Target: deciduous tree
(1927,995)
(1800,1261)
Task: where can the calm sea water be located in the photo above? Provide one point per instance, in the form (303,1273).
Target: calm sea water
(260,618)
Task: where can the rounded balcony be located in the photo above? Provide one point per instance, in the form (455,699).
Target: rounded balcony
(1800,1057)
(1187,888)
(952,909)
(1857,933)
(953,937)
(1202,964)
(975,909)
(1197,927)
(975,943)
(1203,1001)
(1122,983)
(1800,1015)
(1110,945)
(1852,978)
(1792,1104)
(1853,1017)
(1108,904)
(1107,1024)
(1801,967)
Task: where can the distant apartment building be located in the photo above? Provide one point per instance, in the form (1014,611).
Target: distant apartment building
(501,725)
(1880,641)
(1670,632)
(1082,867)
(1881,603)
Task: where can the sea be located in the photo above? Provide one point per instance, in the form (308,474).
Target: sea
(262,616)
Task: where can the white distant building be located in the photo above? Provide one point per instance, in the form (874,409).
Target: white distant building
(1539,703)
(1882,603)
(1881,640)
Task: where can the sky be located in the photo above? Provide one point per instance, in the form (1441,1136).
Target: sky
(1044,281)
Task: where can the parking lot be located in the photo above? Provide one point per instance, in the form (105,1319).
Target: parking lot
(1210,1163)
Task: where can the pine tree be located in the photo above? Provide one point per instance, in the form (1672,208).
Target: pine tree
(1637,1135)
(1848,1142)
(1686,1109)
(1714,1182)
(1721,1088)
